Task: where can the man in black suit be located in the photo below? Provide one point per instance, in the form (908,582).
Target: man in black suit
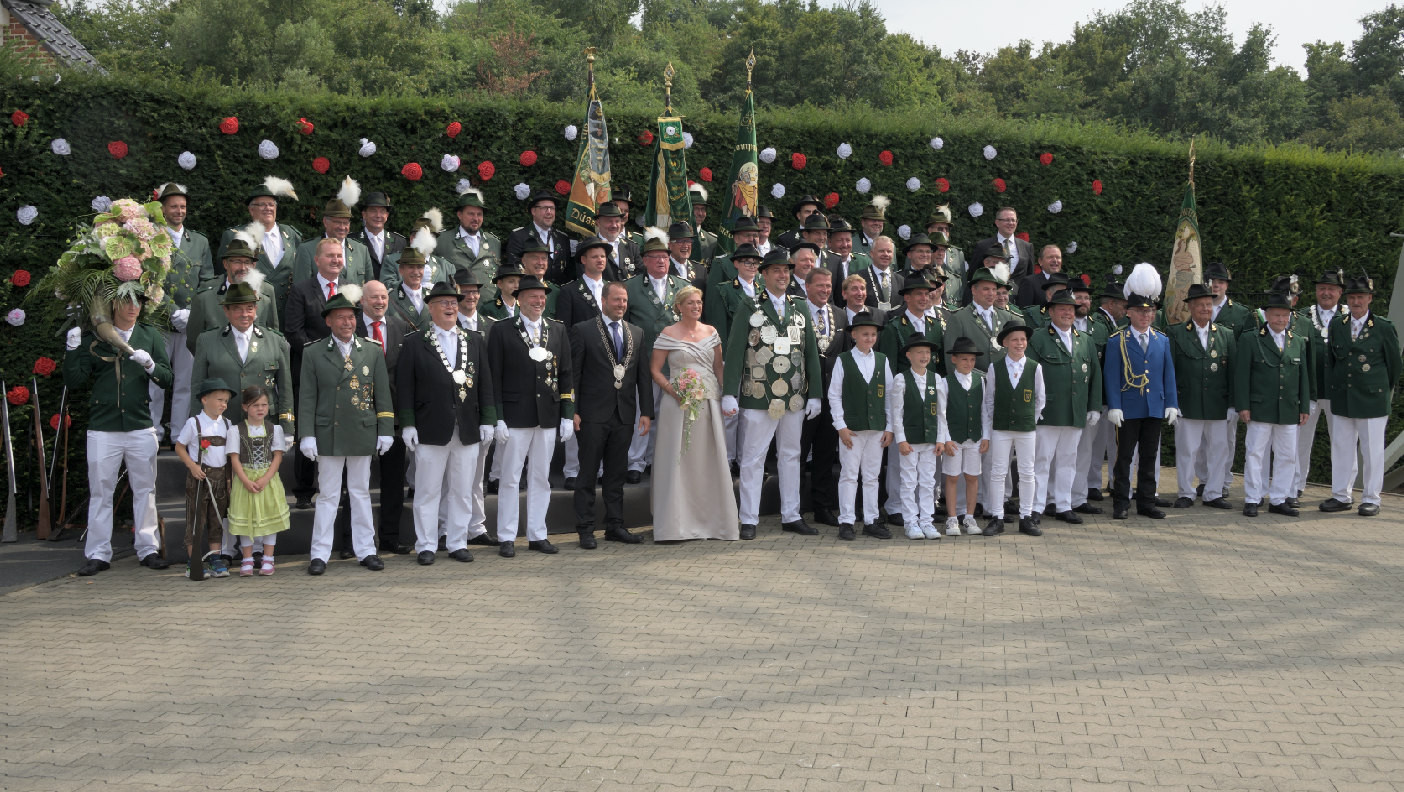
(446,406)
(302,325)
(535,399)
(542,207)
(379,240)
(580,301)
(881,278)
(612,380)
(819,435)
(390,331)
(1031,290)
(475,321)
(804,207)
(624,260)
(1021,253)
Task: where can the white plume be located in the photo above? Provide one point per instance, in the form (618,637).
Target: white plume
(168,185)
(435,218)
(882,202)
(472,191)
(352,292)
(1001,271)
(1117,270)
(653,232)
(699,188)
(279,186)
(423,241)
(1143,281)
(255,280)
(350,192)
(252,234)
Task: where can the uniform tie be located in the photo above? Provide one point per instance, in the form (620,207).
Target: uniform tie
(1145,341)
(331,289)
(379,336)
(618,342)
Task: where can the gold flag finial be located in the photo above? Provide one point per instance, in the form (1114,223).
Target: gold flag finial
(590,70)
(668,74)
(750,67)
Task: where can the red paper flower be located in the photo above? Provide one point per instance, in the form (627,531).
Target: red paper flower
(1096,186)
(53,421)
(943,185)
(321,164)
(204,442)
(412,171)
(20,278)
(19,118)
(999,185)
(2,172)
(305,127)
(885,157)
(486,170)
(1046,158)
(18,395)
(527,159)
(831,200)
(229,125)
(706,174)
(117,149)
(1024,235)
(797,161)
(44,366)
(1086,279)
(453,129)
(646,138)
(563,187)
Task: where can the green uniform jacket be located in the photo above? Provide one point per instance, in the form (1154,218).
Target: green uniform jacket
(1072,381)
(1204,378)
(704,247)
(793,382)
(966,322)
(899,330)
(1099,328)
(359,268)
(725,301)
(1237,317)
(1274,386)
(401,306)
(216,355)
(647,312)
(1362,373)
(191,266)
(494,307)
(954,266)
(345,405)
(207,314)
(281,276)
(1317,335)
(120,402)
(436,270)
(455,251)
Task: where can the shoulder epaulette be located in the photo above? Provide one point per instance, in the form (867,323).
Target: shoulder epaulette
(518,228)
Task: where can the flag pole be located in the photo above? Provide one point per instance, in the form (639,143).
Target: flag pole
(590,70)
(668,75)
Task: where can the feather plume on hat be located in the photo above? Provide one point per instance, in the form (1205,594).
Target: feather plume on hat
(255,280)
(279,186)
(653,232)
(435,218)
(699,188)
(1001,271)
(350,192)
(881,202)
(423,241)
(472,191)
(1144,281)
(352,293)
(251,234)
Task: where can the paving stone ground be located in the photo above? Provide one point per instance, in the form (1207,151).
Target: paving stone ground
(1206,651)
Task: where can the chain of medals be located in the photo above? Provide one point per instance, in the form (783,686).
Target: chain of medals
(827,336)
(462,368)
(664,306)
(618,367)
(359,400)
(539,353)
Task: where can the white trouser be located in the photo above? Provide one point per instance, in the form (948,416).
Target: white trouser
(533,447)
(182,365)
(1282,438)
(1055,462)
(641,447)
(477,520)
(106,453)
(994,498)
(894,481)
(1023,444)
(443,479)
(757,430)
(329,469)
(1196,443)
(1230,431)
(1082,462)
(1103,448)
(1306,438)
(918,483)
(865,459)
(1368,434)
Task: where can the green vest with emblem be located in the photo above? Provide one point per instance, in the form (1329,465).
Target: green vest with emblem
(1014,403)
(964,418)
(920,412)
(864,401)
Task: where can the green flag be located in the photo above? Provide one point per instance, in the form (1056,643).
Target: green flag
(743,182)
(590,188)
(668,200)
(1186,261)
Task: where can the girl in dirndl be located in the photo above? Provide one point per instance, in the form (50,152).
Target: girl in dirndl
(258,507)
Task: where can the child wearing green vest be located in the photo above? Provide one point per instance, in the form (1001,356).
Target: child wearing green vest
(967,434)
(917,413)
(858,402)
(1014,399)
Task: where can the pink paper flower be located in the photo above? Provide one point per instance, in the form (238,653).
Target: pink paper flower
(126,268)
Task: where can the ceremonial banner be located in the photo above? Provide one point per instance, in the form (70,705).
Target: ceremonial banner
(1186,261)
(590,188)
(742,197)
(667,199)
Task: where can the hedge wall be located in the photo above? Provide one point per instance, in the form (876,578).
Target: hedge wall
(1263,210)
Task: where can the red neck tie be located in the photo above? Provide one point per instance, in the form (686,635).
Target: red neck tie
(379,336)
(331,289)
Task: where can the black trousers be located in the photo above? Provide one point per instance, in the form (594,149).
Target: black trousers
(607,441)
(821,438)
(1141,434)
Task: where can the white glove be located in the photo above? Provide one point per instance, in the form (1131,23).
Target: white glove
(1093,417)
(383,443)
(308,446)
(486,432)
(812,408)
(1171,415)
(410,435)
(180,318)
(729,404)
(499,432)
(1232,413)
(73,338)
(567,429)
(1115,416)
(143,358)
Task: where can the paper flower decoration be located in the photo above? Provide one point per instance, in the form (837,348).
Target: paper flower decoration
(999,185)
(45,366)
(767,154)
(885,157)
(797,161)
(127,268)
(777,191)
(20,278)
(453,129)
(938,143)
(705,174)
(486,170)
(1024,235)
(117,149)
(563,187)
(229,125)
(15,317)
(863,185)
(19,394)
(305,127)
(990,152)
(942,185)
(26,214)
(321,164)
(1055,207)
(1072,248)
(914,184)
(19,118)
(521,191)
(60,147)
(449,162)
(462,186)
(53,421)
(646,138)
(186,160)
(976,209)
(1096,186)
(904,231)
(831,200)
(268,149)
(845,151)
(1046,158)
(527,159)
(571,132)
(367,148)
(412,171)
(101,203)
(687,140)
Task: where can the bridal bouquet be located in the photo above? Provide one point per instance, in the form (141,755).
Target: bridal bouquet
(691,394)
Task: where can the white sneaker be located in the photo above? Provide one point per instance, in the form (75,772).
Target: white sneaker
(931,531)
(971,529)
(914,532)
(952,526)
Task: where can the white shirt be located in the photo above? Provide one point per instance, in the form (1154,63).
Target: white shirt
(344,346)
(1278,338)
(201,425)
(1219,305)
(867,363)
(1356,325)
(594,286)
(544,234)
(468,322)
(448,341)
(126,335)
(1013,249)
(749,287)
(660,287)
(896,406)
(1016,370)
(919,322)
(778,303)
(280,443)
(273,245)
(416,296)
(377,243)
(241,341)
(679,268)
(1065,336)
(533,329)
(764,247)
(1203,333)
(883,279)
(965,380)
(324,282)
(473,241)
(1325,315)
(986,315)
(1080,324)
(1142,339)
(175,234)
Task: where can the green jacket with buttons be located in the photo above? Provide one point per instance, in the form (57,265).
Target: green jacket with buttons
(345,402)
(1204,378)
(120,401)
(1273,385)
(1362,372)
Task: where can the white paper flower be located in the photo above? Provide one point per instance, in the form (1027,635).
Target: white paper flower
(914,184)
(687,140)
(777,191)
(462,186)
(367,148)
(976,209)
(186,160)
(449,163)
(459,377)
(15,317)
(521,191)
(990,152)
(767,155)
(1055,207)
(60,147)
(268,149)
(845,151)
(938,143)
(904,231)
(863,185)
(571,132)
(1071,248)
(26,214)
(101,203)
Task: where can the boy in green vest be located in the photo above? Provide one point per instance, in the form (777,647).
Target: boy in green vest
(967,433)
(917,413)
(1014,399)
(858,402)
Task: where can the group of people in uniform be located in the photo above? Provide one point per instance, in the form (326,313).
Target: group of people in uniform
(453,363)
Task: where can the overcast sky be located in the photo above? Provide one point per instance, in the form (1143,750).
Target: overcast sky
(985,27)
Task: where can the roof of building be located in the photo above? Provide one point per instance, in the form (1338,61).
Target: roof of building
(40,21)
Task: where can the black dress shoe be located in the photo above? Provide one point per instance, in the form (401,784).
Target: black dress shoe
(316,566)
(1184,503)
(846,532)
(1087,508)
(1161,502)
(390,546)
(1051,510)
(1028,526)
(1368,509)
(543,546)
(633,477)
(373,563)
(492,486)
(876,531)
(618,533)
(1199,491)
(1283,509)
(748,532)
(1333,505)
(426,557)
(1070,517)
(506,549)
(1094,494)
(1151,512)
(409,494)
(799,527)
(1294,503)
(484,539)
(587,540)
(1250,510)
(92,566)
(462,554)
(979,511)
(569,483)
(1011,516)
(1219,503)
(994,527)
(1119,512)
(303,502)
(895,519)
(735,468)
(825,517)
(153,561)
(348,553)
